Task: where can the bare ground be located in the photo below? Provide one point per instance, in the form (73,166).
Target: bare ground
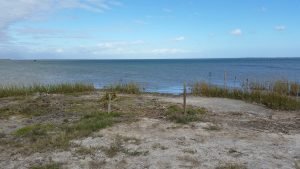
(232,132)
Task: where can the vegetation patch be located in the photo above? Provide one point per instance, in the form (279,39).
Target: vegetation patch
(118,147)
(213,127)
(128,88)
(6,91)
(42,137)
(278,98)
(176,113)
(47,166)
(231,166)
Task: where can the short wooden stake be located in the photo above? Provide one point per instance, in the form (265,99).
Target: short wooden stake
(184,98)
(109,104)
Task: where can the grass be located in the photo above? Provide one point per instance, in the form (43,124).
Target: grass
(231,166)
(42,137)
(213,127)
(47,166)
(175,113)
(6,91)
(128,88)
(117,146)
(34,130)
(277,99)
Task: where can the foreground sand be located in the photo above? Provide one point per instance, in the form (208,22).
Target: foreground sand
(233,132)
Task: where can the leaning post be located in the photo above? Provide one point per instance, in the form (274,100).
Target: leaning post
(184,98)
(109,103)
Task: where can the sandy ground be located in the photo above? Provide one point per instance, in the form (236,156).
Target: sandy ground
(233,132)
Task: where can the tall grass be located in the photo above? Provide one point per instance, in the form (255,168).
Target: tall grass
(14,90)
(278,98)
(129,88)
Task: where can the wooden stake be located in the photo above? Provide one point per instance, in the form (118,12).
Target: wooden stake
(184,98)
(298,88)
(109,104)
(225,79)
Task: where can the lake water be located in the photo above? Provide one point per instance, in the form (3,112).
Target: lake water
(165,76)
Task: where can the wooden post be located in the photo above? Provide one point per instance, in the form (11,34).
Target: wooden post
(109,104)
(225,80)
(298,88)
(184,98)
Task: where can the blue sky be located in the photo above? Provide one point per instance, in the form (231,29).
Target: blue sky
(140,29)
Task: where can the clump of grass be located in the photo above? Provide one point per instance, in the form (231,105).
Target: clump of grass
(213,127)
(128,88)
(41,137)
(231,166)
(117,147)
(85,151)
(6,91)
(36,130)
(47,166)
(277,99)
(176,113)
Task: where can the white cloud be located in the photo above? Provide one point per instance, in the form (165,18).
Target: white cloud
(59,50)
(280,27)
(236,32)
(118,44)
(179,38)
(165,51)
(12,11)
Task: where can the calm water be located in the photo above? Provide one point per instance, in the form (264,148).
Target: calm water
(165,76)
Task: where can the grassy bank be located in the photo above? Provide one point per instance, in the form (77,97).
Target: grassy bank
(278,98)
(6,91)
(128,88)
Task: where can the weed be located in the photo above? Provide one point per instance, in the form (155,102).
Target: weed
(231,166)
(213,127)
(47,166)
(6,91)
(278,99)
(175,113)
(129,88)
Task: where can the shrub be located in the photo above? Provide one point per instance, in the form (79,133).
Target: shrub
(129,88)
(175,113)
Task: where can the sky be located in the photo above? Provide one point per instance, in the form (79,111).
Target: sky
(148,29)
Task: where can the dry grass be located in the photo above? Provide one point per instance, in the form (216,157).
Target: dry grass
(278,99)
(175,113)
(43,137)
(128,88)
(47,166)
(6,91)
(231,166)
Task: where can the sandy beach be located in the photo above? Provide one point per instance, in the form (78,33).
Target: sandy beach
(232,133)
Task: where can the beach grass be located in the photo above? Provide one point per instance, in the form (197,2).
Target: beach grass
(42,137)
(128,88)
(279,98)
(14,90)
(176,113)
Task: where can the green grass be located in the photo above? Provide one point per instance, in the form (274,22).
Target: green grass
(128,88)
(46,166)
(34,130)
(6,91)
(42,137)
(231,166)
(175,113)
(277,99)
